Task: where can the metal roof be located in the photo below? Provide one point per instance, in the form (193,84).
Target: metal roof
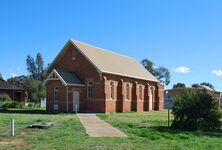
(110,62)
(107,62)
(69,77)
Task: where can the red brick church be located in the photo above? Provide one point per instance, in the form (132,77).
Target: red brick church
(90,79)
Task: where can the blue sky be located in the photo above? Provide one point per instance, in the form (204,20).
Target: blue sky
(184,36)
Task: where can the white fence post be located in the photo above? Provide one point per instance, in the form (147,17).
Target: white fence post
(76,109)
(12,127)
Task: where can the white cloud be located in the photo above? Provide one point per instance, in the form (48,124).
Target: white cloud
(182,69)
(13,75)
(217,73)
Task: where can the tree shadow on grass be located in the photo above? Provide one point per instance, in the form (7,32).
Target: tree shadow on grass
(23,111)
(185,134)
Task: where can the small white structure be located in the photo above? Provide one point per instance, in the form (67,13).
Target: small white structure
(43,102)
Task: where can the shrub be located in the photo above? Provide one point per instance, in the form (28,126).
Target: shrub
(195,110)
(30,104)
(9,104)
(20,105)
(4,97)
(37,105)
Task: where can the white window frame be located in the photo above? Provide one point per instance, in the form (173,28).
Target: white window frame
(89,90)
(56,94)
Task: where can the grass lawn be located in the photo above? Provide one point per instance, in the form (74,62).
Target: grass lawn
(144,130)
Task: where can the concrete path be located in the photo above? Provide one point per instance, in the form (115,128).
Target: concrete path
(95,127)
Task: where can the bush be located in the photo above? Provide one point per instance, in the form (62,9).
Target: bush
(195,110)
(20,105)
(4,97)
(37,105)
(30,105)
(9,104)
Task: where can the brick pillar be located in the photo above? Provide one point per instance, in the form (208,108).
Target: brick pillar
(160,96)
(140,101)
(151,101)
(106,88)
(155,102)
(115,90)
(143,92)
(106,91)
(123,95)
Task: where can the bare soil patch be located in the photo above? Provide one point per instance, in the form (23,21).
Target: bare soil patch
(13,142)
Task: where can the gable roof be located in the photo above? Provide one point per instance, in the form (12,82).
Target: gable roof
(8,86)
(109,62)
(69,77)
(66,77)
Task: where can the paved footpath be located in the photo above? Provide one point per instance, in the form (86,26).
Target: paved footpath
(95,127)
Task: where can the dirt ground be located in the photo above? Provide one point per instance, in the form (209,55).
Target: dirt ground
(5,142)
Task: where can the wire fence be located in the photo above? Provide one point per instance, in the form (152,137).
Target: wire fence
(7,127)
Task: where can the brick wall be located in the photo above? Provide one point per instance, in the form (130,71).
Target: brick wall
(101,100)
(134,103)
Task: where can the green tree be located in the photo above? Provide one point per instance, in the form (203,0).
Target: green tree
(34,82)
(161,73)
(1,76)
(195,110)
(207,84)
(36,67)
(31,67)
(149,65)
(36,90)
(179,85)
(40,67)
(18,81)
(196,85)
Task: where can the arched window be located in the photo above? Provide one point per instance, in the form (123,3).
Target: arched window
(111,89)
(127,91)
(140,92)
(89,90)
(56,94)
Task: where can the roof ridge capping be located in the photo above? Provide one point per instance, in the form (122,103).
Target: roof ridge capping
(109,51)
